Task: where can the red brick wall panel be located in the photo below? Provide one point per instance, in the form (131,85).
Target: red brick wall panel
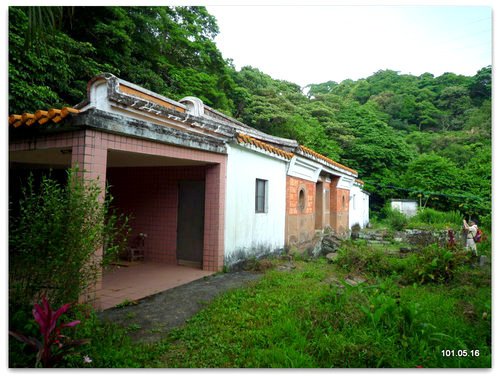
(299,224)
(339,205)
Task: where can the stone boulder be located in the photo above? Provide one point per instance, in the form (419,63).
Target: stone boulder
(325,243)
(330,244)
(332,257)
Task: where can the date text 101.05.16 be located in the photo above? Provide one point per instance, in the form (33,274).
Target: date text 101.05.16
(460,353)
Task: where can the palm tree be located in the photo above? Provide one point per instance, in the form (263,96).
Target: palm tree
(44,21)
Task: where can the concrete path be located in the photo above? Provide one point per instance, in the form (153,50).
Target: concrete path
(151,318)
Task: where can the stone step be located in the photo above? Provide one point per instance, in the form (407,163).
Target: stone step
(376,242)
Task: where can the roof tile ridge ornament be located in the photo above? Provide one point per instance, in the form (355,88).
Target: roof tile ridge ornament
(41,116)
(194,106)
(119,89)
(308,151)
(359,182)
(105,76)
(242,138)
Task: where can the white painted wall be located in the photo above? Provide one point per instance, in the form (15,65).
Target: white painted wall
(249,233)
(407,207)
(359,210)
(304,168)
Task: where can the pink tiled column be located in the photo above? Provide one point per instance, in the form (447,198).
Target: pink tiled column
(215,198)
(89,154)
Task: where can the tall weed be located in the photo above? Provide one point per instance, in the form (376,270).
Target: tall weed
(361,258)
(436,264)
(53,240)
(395,219)
(431,218)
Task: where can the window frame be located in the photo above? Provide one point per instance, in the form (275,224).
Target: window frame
(261,199)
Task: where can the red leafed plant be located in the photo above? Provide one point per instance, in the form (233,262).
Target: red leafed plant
(54,345)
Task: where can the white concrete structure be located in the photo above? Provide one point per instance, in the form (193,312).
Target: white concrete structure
(304,168)
(248,232)
(359,210)
(405,206)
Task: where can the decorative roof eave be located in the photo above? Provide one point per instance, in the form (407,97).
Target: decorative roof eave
(129,96)
(41,117)
(133,98)
(244,139)
(128,126)
(359,182)
(196,107)
(242,128)
(309,153)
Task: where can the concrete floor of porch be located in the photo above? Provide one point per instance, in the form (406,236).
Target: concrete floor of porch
(136,280)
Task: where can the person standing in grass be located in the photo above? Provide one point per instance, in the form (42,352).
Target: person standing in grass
(471,231)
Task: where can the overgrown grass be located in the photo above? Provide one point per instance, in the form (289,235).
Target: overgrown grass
(311,317)
(426,218)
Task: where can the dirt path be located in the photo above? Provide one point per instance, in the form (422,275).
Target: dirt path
(154,316)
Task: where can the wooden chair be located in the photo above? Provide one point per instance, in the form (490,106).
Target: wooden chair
(136,249)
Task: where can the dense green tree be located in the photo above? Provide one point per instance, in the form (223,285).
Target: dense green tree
(455,101)
(479,119)
(387,126)
(480,86)
(434,179)
(375,146)
(477,179)
(46,73)
(169,50)
(431,172)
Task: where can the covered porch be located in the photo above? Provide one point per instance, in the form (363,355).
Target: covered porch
(131,281)
(175,195)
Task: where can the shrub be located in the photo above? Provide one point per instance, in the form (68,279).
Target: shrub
(436,219)
(54,238)
(436,264)
(433,264)
(396,219)
(54,345)
(360,258)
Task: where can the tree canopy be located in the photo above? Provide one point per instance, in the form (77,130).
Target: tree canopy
(406,135)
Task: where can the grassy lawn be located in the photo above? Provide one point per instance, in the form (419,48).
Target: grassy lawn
(406,312)
(308,318)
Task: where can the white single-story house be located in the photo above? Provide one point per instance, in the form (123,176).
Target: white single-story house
(207,189)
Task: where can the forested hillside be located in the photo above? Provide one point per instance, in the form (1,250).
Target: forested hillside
(408,136)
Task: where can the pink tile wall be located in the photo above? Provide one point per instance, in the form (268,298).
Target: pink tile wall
(152,191)
(215,194)
(215,184)
(150,196)
(62,140)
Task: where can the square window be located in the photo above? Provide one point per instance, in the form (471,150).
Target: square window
(260,196)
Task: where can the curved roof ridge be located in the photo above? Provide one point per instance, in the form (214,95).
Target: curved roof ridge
(319,156)
(246,139)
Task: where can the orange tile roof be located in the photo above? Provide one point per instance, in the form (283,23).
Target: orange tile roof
(316,155)
(360,182)
(243,138)
(41,117)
